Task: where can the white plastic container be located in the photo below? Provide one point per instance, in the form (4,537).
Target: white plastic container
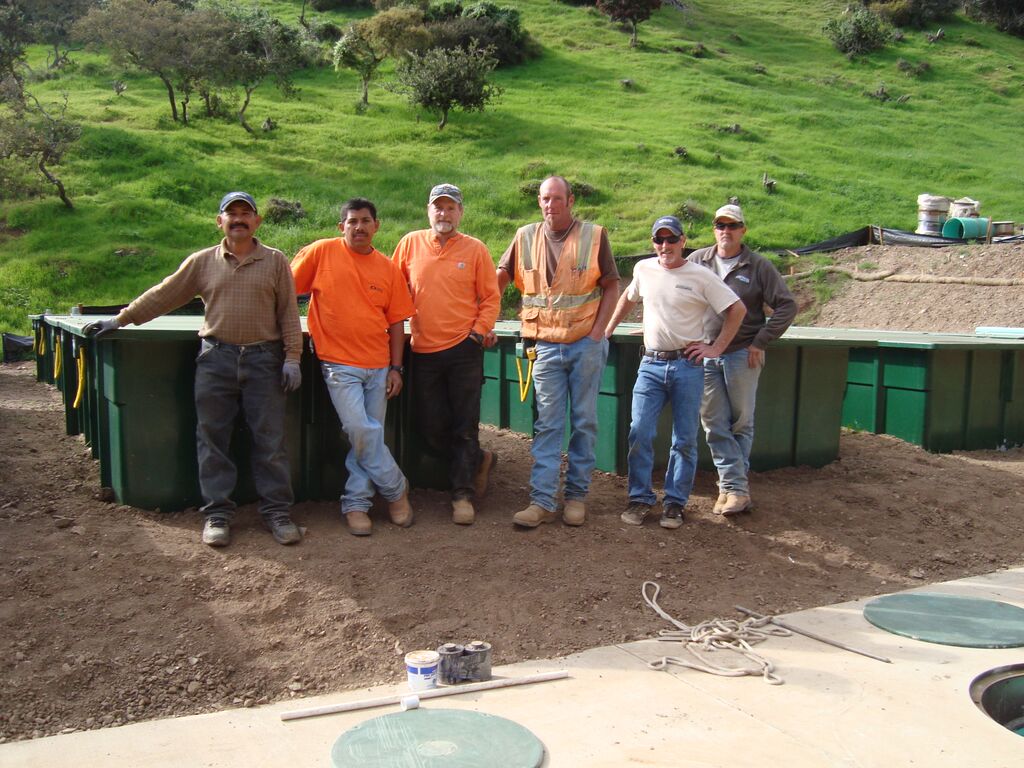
(932,211)
(421,667)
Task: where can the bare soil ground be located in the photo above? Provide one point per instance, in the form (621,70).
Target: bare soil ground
(110,614)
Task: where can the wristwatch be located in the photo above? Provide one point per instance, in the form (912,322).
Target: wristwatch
(399,368)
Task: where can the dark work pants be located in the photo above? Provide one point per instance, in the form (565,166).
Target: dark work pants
(228,377)
(446,397)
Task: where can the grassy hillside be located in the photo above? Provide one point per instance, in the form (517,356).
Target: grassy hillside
(146,188)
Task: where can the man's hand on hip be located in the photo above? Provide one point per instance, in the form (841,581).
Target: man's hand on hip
(98,328)
(291,376)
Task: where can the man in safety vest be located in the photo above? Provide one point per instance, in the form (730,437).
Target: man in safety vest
(567,276)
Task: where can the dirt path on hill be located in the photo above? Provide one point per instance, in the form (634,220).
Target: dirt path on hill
(109,614)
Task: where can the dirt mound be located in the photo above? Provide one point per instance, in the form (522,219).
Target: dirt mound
(899,306)
(112,615)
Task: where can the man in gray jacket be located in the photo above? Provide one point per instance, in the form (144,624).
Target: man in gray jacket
(730,380)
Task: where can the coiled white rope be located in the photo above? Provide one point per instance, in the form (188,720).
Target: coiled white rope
(716,635)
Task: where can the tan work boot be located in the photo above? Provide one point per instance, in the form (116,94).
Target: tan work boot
(574,512)
(532,516)
(722,498)
(734,504)
(462,512)
(401,511)
(483,473)
(359,523)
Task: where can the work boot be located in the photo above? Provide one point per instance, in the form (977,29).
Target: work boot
(462,512)
(574,512)
(671,515)
(482,480)
(401,511)
(734,504)
(532,516)
(283,529)
(359,523)
(722,498)
(635,513)
(216,532)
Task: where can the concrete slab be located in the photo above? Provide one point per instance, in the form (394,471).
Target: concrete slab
(836,708)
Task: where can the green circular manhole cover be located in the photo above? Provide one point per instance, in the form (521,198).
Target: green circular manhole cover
(437,738)
(969,622)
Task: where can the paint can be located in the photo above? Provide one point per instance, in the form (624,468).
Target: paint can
(421,667)
(450,668)
(476,662)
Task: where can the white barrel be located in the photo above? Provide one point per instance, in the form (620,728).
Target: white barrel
(932,211)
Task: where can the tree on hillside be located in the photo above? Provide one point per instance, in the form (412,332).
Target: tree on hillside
(50,22)
(14,36)
(630,12)
(444,79)
(365,45)
(259,47)
(1007,15)
(147,35)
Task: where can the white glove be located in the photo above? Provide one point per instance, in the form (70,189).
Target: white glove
(99,328)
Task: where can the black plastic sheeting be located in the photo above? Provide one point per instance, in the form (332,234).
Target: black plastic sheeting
(17,347)
(885,236)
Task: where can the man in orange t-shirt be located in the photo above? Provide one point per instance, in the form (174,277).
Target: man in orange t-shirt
(358,305)
(455,290)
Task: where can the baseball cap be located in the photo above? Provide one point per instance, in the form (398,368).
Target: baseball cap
(445,190)
(232,197)
(730,211)
(670,223)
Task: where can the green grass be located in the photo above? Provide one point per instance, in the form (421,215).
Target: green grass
(148,188)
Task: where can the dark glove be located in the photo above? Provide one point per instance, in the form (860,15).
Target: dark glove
(99,328)
(291,376)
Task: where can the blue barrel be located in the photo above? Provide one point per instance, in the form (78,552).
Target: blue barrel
(966,229)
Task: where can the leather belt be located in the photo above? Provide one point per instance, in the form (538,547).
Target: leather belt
(675,354)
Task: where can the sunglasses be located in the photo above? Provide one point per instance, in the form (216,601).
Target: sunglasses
(728,225)
(671,239)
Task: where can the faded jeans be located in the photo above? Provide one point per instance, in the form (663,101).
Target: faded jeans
(229,376)
(680,383)
(730,391)
(359,397)
(565,375)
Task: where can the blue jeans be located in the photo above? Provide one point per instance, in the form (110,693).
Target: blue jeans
(680,383)
(228,376)
(565,375)
(359,397)
(730,391)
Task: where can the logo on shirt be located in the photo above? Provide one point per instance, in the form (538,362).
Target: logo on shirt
(743,278)
(376,288)
(461,265)
(683,287)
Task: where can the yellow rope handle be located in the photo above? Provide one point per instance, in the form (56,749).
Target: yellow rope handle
(42,340)
(35,340)
(524,390)
(57,360)
(80,393)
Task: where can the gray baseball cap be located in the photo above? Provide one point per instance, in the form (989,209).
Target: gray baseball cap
(670,223)
(730,211)
(232,197)
(445,190)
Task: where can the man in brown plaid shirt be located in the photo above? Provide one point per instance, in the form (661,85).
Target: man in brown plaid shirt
(249,357)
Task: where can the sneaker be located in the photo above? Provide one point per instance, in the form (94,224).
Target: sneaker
(532,516)
(283,529)
(359,523)
(722,498)
(488,461)
(401,511)
(735,504)
(635,513)
(463,512)
(671,516)
(216,532)
(574,512)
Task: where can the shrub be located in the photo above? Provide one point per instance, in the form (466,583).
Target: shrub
(339,5)
(912,13)
(442,79)
(487,26)
(384,5)
(324,31)
(278,211)
(444,10)
(858,32)
(1007,15)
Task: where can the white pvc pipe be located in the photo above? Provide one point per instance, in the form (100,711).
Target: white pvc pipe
(433,693)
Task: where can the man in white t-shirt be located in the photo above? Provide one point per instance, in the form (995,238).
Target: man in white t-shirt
(680,300)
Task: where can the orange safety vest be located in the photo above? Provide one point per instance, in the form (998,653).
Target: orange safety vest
(564,311)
